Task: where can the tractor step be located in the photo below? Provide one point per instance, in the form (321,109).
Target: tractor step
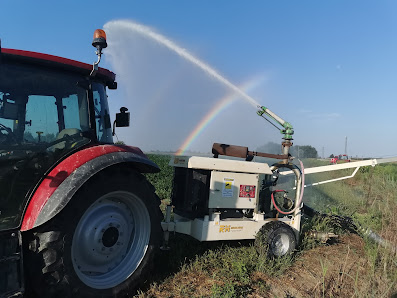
(11,269)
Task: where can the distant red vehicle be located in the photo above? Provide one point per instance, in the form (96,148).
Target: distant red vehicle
(340,158)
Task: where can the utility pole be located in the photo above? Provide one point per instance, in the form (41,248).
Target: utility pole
(346,145)
(323,152)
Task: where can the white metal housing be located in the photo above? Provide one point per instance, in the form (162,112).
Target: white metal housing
(218,164)
(234,184)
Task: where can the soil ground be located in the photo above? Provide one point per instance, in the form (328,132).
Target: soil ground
(334,270)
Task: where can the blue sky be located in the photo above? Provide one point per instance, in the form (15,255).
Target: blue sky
(330,67)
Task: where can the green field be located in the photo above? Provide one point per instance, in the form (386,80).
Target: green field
(350,267)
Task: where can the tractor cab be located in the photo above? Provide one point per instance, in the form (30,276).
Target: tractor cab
(49,108)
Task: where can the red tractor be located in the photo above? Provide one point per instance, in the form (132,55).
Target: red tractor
(77,217)
(340,158)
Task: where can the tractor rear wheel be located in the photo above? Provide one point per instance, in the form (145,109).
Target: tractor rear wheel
(275,239)
(102,244)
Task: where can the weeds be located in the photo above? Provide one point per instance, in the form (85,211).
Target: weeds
(276,266)
(371,199)
(162,181)
(225,290)
(324,269)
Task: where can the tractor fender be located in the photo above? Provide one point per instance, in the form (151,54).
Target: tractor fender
(58,187)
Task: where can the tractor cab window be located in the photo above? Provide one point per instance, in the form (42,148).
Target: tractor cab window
(41,119)
(49,118)
(38,108)
(102,117)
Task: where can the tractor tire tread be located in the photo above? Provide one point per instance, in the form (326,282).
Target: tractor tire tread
(46,247)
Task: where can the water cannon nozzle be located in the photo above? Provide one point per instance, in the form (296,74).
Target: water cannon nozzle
(261,110)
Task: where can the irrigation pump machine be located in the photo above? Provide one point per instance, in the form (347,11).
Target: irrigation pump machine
(229,199)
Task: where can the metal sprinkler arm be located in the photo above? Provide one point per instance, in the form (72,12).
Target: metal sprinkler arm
(263,110)
(287,130)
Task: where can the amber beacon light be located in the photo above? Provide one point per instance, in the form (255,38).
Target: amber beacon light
(99,43)
(99,39)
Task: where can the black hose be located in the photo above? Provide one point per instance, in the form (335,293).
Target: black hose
(310,212)
(347,223)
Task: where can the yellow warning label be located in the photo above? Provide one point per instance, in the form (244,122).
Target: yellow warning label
(227,189)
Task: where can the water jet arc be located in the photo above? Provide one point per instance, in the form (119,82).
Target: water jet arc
(149,33)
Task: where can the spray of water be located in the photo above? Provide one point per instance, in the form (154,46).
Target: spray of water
(147,32)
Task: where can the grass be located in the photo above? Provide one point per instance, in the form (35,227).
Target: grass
(370,198)
(225,270)
(324,269)
(162,181)
(234,269)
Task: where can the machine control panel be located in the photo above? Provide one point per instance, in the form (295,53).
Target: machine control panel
(233,190)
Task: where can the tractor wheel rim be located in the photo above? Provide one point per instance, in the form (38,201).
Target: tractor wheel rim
(280,245)
(111,240)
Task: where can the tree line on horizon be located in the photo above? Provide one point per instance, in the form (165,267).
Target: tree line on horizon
(301,151)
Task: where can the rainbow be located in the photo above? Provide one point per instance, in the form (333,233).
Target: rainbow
(220,106)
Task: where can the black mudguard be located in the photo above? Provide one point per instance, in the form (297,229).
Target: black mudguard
(75,180)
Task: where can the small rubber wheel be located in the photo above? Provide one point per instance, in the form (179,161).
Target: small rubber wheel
(275,239)
(101,244)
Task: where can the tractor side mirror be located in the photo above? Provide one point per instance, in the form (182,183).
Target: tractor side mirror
(8,109)
(122,119)
(112,85)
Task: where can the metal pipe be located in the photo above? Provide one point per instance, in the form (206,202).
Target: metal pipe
(378,239)
(166,232)
(298,178)
(333,180)
(348,165)
(288,129)
(274,116)
(242,152)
